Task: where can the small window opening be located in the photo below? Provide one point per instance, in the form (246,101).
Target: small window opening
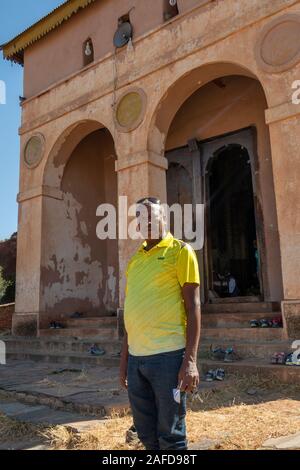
(170,9)
(88,52)
(124,19)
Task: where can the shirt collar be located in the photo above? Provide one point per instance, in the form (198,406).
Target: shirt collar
(166,241)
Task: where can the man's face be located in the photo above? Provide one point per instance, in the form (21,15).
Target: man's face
(150,221)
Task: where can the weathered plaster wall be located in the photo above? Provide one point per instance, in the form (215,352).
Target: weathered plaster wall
(79,271)
(61,52)
(219,38)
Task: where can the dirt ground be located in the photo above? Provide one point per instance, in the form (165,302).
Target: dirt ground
(241,415)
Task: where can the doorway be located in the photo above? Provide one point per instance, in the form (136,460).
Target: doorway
(220,173)
(232,247)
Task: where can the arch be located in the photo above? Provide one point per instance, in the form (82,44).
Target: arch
(180,90)
(79,271)
(63,148)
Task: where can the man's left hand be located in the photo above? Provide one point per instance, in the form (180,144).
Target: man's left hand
(188,377)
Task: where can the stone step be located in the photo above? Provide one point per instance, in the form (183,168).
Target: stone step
(239,307)
(231,300)
(105,332)
(248,334)
(233,320)
(66,345)
(91,322)
(285,374)
(62,358)
(246,349)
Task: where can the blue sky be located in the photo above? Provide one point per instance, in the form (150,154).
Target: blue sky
(15,16)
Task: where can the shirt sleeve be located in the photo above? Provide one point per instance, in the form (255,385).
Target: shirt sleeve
(187,266)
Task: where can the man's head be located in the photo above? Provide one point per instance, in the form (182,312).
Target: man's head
(151,218)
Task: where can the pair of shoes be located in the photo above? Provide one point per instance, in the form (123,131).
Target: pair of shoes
(264,323)
(226,355)
(278,358)
(218,374)
(55,325)
(96,351)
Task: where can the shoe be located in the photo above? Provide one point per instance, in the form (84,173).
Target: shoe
(210,376)
(231,355)
(278,358)
(131,435)
(277,322)
(254,324)
(217,354)
(58,326)
(220,374)
(291,362)
(96,351)
(52,325)
(265,323)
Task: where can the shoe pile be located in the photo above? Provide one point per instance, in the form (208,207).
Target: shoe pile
(226,355)
(264,323)
(217,374)
(287,359)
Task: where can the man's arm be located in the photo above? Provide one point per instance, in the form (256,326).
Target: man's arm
(124,361)
(188,374)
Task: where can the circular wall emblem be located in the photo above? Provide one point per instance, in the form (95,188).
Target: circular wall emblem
(34,150)
(130,110)
(278,48)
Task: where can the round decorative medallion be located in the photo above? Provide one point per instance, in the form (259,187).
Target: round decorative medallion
(278,48)
(34,150)
(130,110)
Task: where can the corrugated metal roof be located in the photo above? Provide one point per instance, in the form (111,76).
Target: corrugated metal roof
(14,49)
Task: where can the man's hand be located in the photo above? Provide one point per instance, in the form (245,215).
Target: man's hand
(188,377)
(123,377)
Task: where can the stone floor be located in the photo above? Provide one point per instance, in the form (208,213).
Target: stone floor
(92,390)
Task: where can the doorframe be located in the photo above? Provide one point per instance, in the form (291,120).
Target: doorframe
(247,139)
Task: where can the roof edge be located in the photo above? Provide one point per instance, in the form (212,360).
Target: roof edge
(14,49)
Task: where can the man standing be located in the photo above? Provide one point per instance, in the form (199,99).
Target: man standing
(162,331)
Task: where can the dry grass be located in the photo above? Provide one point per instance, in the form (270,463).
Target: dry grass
(229,415)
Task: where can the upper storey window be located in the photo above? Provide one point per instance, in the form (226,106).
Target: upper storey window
(88,52)
(170,9)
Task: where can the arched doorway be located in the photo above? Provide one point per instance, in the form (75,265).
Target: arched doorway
(232,248)
(219,133)
(79,272)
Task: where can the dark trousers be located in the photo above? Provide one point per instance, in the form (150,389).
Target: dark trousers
(158,419)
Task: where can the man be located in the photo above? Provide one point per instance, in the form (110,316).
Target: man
(162,331)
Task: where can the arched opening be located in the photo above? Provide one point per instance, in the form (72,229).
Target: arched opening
(79,271)
(218,148)
(232,252)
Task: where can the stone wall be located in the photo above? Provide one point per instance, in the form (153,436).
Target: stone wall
(6,313)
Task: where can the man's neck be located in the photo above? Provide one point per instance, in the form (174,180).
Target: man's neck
(152,242)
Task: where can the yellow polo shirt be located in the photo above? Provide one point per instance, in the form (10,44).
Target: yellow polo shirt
(154,312)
